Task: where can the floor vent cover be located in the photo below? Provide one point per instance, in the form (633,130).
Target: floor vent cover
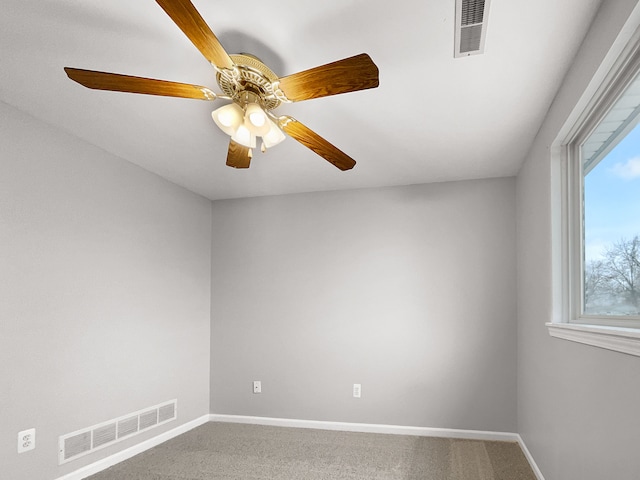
(81,442)
(471,27)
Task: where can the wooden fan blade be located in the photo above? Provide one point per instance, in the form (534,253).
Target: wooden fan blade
(348,75)
(315,142)
(185,15)
(238,156)
(125,83)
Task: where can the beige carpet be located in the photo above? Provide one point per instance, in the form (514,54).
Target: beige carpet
(217,451)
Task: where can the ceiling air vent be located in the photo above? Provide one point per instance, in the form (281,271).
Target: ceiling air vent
(471,26)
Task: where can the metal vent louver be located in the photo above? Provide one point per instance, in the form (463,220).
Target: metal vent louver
(471,27)
(166,412)
(77,445)
(148,419)
(87,440)
(127,426)
(472,12)
(103,435)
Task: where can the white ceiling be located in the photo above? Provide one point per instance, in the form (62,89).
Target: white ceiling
(433,118)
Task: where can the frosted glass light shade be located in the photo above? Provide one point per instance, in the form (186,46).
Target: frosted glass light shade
(244,125)
(244,136)
(274,136)
(256,115)
(256,120)
(228,118)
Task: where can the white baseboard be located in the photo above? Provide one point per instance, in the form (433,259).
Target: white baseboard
(388,429)
(132,451)
(532,462)
(369,428)
(294,423)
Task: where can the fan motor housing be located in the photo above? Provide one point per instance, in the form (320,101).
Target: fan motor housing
(249,75)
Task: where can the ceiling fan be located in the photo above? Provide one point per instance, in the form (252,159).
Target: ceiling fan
(253,89)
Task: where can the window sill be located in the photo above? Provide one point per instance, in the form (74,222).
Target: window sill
(625,340)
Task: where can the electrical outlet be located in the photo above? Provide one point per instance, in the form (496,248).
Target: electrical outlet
(257,386)
(26,440)
(357,390)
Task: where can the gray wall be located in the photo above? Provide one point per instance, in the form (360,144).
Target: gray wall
(409,291)
(104,294)
(577,404)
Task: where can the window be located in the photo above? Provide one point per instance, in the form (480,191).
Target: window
(611,214)
(601,218)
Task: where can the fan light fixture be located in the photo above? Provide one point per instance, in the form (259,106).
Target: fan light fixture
(244,137)
(274,136)
(228,118)
(244,126)
(256,117)
(253,89)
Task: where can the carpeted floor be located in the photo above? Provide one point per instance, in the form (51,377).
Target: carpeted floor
(217,451)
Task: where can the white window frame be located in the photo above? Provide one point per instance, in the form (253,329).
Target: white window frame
(621,334)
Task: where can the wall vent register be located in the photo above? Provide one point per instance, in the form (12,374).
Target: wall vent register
(471,27)
(82,442)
